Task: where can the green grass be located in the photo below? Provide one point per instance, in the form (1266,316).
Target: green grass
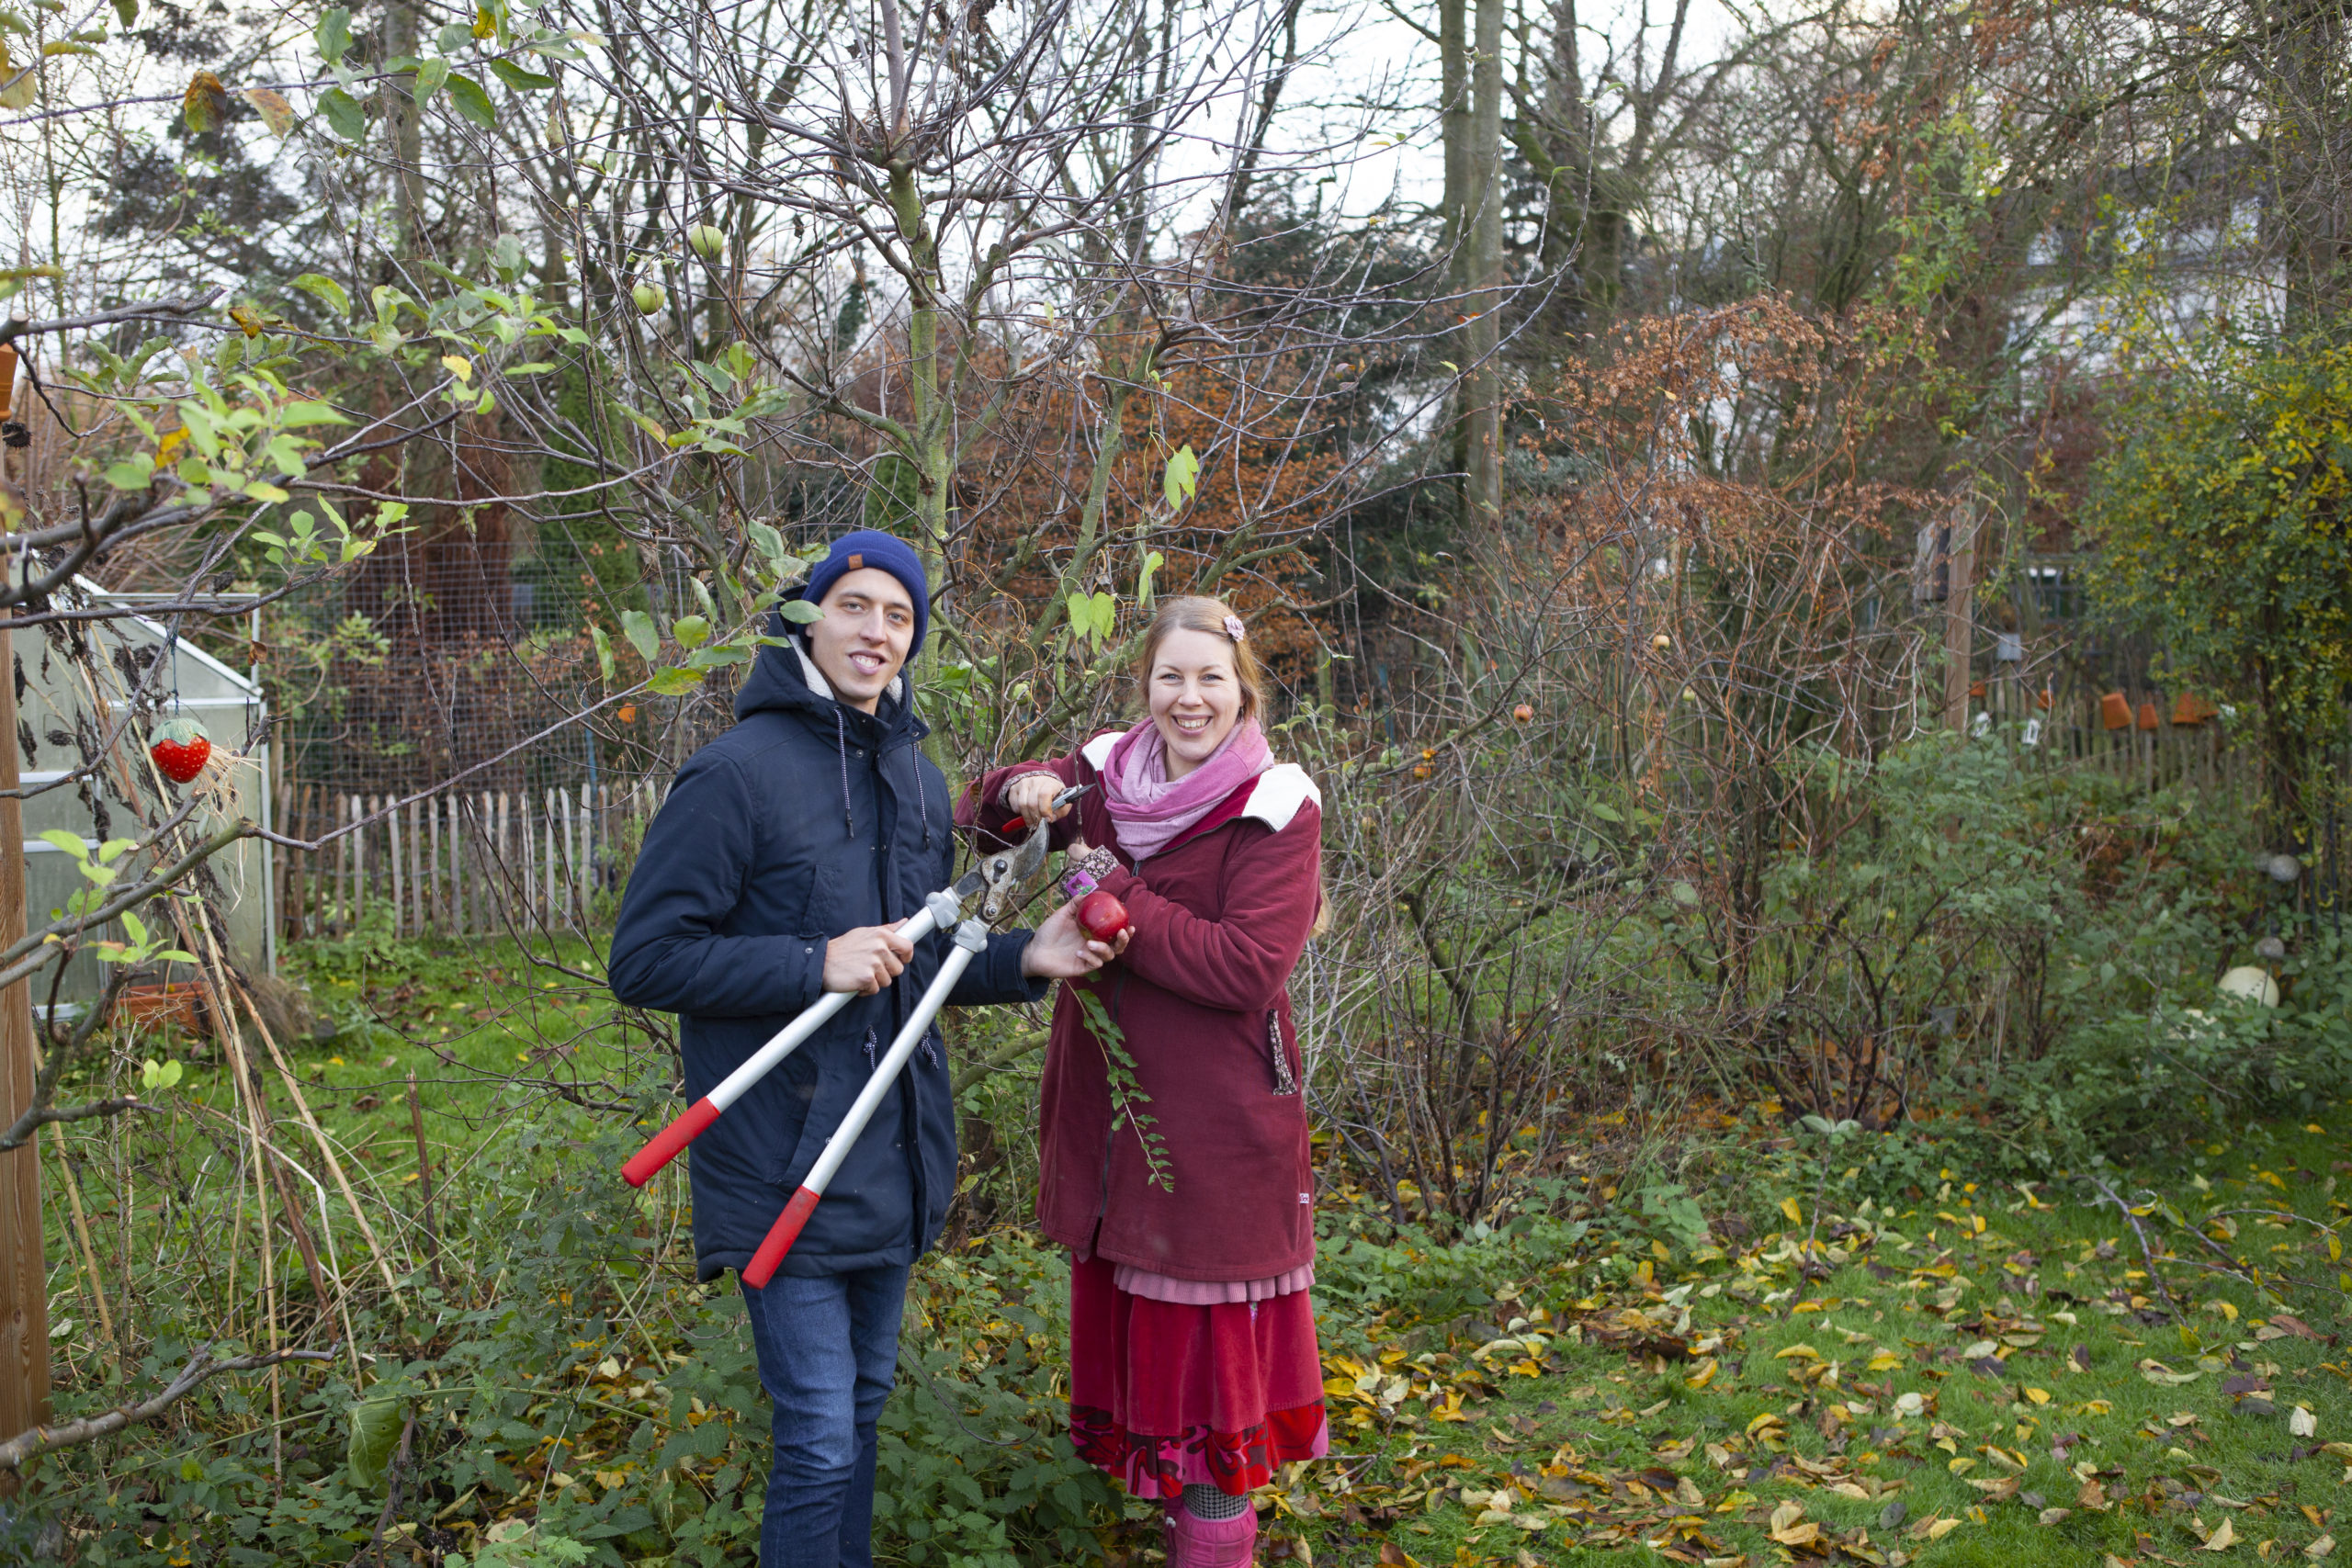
(1851,1393)
(1565,1390)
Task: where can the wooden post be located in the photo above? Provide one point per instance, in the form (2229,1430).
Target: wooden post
(502,865)
(24,1276)
(400,888)
(457,864)
(1960,629)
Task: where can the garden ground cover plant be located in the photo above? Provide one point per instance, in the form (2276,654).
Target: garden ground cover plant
(1713,1341)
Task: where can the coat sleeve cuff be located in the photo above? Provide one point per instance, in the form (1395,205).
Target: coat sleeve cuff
(995,976)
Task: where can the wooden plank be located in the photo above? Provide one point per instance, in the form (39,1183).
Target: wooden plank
(419,895)
(502,863)
(24,1278)
(400,891)
(437,898)
(561,863)
(455,808)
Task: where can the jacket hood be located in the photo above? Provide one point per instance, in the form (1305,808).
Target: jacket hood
(785,680)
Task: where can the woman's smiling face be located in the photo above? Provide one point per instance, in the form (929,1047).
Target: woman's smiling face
(1196,697)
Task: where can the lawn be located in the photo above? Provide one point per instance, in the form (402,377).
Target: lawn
(1749,1349)
(2019,1374)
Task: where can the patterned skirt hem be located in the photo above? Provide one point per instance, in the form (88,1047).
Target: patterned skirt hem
(1233,1462)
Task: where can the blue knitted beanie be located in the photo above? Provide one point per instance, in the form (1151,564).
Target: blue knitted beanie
(883,552)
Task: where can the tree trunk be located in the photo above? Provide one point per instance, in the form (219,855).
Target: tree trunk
(1482,490)
(407,134)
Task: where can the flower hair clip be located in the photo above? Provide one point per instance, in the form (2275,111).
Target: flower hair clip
(1235,629)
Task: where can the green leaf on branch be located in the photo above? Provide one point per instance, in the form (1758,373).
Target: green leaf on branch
(799,612)
(132,473)
(429,78)
(643,635)
(522,80)
(692,631)
(674,682)
(472,101)
(334,33)
(1183,477)
(1094,615)
(343,114)
(603,651)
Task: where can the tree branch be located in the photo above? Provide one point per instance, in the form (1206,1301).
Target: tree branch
(201,1367)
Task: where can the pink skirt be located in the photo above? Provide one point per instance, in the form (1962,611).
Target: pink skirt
(1164,1395)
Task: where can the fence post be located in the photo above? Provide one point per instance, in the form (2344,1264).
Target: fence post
(457,864)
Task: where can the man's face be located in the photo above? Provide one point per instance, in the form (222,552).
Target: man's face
(861,644)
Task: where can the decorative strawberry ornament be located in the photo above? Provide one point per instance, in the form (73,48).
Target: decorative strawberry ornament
(1102,915)
(180,749)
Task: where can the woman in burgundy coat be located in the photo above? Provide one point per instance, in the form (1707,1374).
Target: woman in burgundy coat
(1187,1200)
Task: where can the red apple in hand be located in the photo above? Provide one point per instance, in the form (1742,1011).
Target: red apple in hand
(1102,915)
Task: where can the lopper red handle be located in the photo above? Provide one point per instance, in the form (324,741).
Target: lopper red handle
(780,1237)
(669,1141)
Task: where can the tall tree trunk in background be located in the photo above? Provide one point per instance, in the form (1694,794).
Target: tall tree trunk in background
(1482,490)
(1457,125)
(407,134)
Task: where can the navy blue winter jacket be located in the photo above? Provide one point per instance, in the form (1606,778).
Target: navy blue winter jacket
(806,820)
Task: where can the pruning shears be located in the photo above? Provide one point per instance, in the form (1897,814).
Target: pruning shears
(996,883)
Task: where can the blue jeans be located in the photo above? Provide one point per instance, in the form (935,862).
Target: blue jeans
(829,1352)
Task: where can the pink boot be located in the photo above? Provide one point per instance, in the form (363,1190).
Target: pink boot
(1196,1542)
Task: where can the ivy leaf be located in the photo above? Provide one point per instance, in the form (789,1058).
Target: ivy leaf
(472,101)
(522,80)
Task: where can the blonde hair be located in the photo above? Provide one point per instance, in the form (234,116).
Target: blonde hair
(1198,612)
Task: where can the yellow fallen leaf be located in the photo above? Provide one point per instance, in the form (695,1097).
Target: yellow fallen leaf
(1803,1352)
(1790,1528)
(1796,1214)
(1940,1529)
(2038,1395)
(2225,1536)
(1885,1361)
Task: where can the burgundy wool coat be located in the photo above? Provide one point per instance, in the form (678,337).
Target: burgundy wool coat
(1202,998)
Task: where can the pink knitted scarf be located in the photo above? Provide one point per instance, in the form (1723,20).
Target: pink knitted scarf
(1149,811)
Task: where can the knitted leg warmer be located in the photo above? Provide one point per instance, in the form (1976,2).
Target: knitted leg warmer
(1205,1502)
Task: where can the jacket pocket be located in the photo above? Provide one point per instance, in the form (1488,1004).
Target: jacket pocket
(1286,1078)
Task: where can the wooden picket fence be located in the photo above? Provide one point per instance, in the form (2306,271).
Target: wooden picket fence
(463,863)
(2144,738)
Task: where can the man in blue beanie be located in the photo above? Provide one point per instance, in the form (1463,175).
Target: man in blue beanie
(786,850)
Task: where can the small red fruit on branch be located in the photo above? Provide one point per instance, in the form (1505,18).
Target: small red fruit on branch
(180,749)
(1102,915)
